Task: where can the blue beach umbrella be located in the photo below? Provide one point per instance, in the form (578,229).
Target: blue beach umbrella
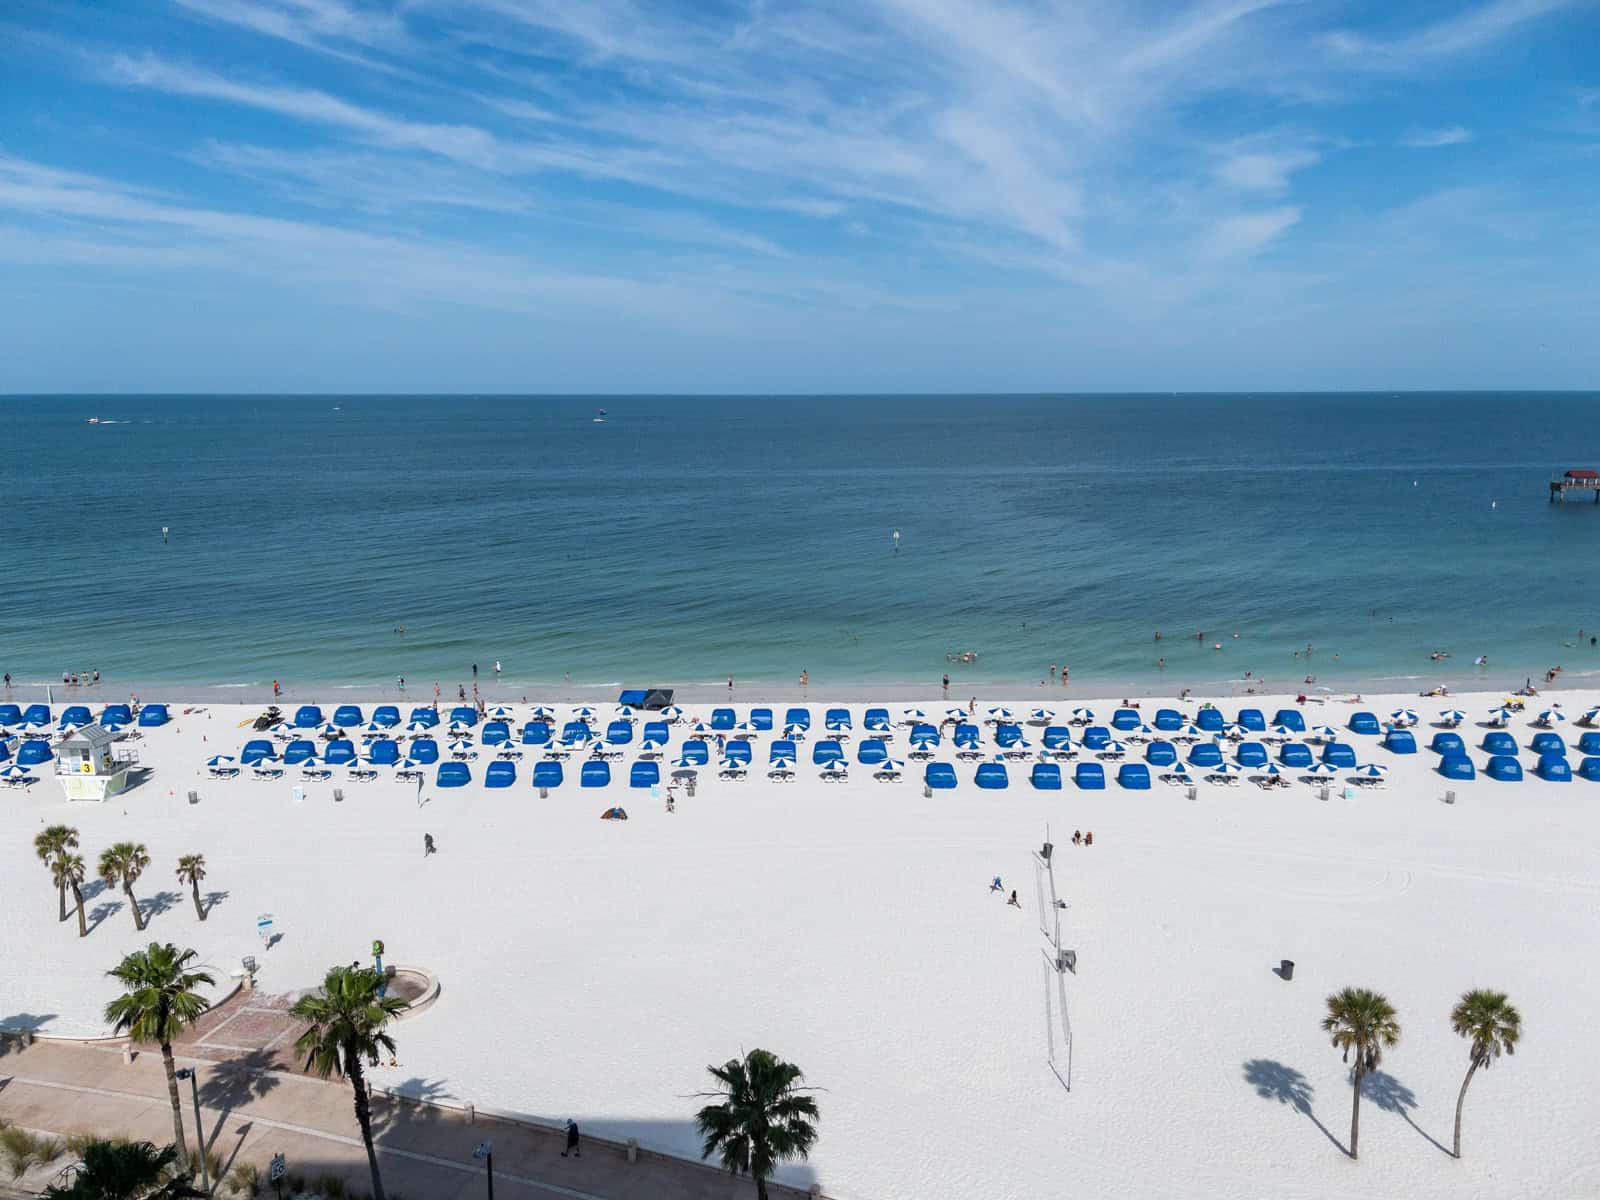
(541,711)
(671,712)
(1550,716)
(1406,716)
(1326,732)
(1226,768)
(912,714)
(781,763)
(1083,714)
(1271,770)
(1282,731)
(1000,711)
(219,760)
(14,772)
(1321,768)
(1452,716)
(1372,770)
(583,711)
(955,712)
(1108,748)
(1043,714)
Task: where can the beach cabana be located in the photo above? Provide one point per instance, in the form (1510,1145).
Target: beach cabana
(942,776)
(1589,743)
(1503,767)
(424,750)
(348,716)
(1168,720)
(1090,776)
(1589,768)
(1134,776)
(619,733)
(33,752)
(1251,754)
(1252,720)
(695,753)
(739,751)
(596,773)
(1205,755)
(5,750)
(1554,768)
(782,748)
(1339,754)
(1294,754)
(425,716)
(871,752)
(761,719)
(1006,736)
(827,751)
(535,733)
(797,718)
(386,716)
(500,774)
(837,719)
(723,720)
(657,731)
(547,773)
(339,752)
(1209,720)
(257,750)
(36,714)
(992,776)
(967,736)
(307,716)
(1457,766)
(1125,719)
(1447,743)
(77,715)
(10,714)
(1548,743)
(1057,737)
(1096,737)
(1400,741)
(1045,777)
(116,714)
(923,735)
(383,752)
(1365,722)
(453,775)
(575,733)
(1499,742)
(495,733)
(876,720)
(464,714)
(644,775)
(297,751)
(1292,717)
(1161,754)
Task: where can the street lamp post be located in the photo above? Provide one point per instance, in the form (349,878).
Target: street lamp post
(485,1151)
(199,1130)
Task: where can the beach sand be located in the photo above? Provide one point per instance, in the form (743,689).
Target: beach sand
(592,969)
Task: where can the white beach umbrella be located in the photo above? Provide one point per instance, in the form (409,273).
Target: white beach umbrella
(835,766)
(1322,768)
(311,764)
(622,710)
(1142,729)
(541,711)
(782,763)
(1551,716)
(332,730)
(793,730)
(1115,748)
(650,744)
(219,760)
(461,744)
(912,714)
(1001,711)
(1083,714)
(583,711)
(958,713)
(1407,716)
(700,727)
(1282,731)
(501,712)
(733,764)
(1326,732)
(1193,731)
(893,765)
(409,764)
(671,712)
(1452,716)
(1227,768)
(1178,768)
(1271,770)
(1043,714)
(14,772)
(1372,770)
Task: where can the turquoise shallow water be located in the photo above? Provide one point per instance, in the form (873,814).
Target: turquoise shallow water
(687,539)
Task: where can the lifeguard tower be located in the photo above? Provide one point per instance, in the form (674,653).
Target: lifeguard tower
(89,766)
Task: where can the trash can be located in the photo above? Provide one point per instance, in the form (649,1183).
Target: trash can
(1287,969)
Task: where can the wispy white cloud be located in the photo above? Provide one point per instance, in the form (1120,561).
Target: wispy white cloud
(1451,135)
(1246,234)
(1264,170)
(1462,33)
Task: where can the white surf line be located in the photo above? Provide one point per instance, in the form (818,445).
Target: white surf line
(432,1160)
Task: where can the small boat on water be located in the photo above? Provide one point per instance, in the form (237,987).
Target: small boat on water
(600,417)
(93,421)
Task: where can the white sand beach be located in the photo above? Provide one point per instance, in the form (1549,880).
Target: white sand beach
(592,968)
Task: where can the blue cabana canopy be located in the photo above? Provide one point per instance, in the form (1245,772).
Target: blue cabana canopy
(619,733)
(923,734)
(992,776)
(723,719)
(36,714)
(658,732)
(827,751)
(463,714)
(5,750)
(33,752)
(800,718)
(1090,776)
(1589,743)
(1135,776)
(1251,754)
(1096,737)
(1339,754)
(1161,754)
(1400,741)
(761,719)
(1548,743)
(500,774)
(424,750)
(1364,722)
(386,715)
(153,715)
(384,751)
(75,714)
(967,736)
(1554,768)
(547,773)
(453,775)
(1046,777)
(782,748)
(739,750)
(116,714)
(1006,736)
(1252,720)
(535,733)
(837,719)
(1446,742)
(423,715)
(596,773)
(1168,720)
(876,720)
(257,750)
(1290,718)
(1205,754)
(1503,767)
(644,774)
(1294,754)
(871,751)
(298,751)
(1457,766)
(307,716)
(349,716)
(1589,768)
(339,751)
(1057,737)
(10,714)
(575,733)
(1500,742)
(942,776)
(1209,720)
(1126,718)
(695,753)
(495,733)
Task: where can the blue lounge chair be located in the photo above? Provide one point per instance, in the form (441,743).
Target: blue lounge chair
(1399,741)
(1290,718)
(500,774)
(1168,720)
(1294,754)
(153,715)
(1365,722)
(871,752)
(307,716)
(453,775)
(596,774)
(547,773)
(1339,754)
(1096,737)
(495,733)
(339,751)
(1252,720)
(1457,766)
(348,716)
(297,751)
(1503,767)
(1134,776)
(1447,743)
(644,775)
(386,715)
(619,733)
(423,750)
(723,720)
(992,777)
(256,751)
(942,776)
(1090,776)
(1161,754)
(1045,777)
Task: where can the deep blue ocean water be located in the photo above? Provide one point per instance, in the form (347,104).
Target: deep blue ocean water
(688,539)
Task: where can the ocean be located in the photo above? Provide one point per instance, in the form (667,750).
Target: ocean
(686,540)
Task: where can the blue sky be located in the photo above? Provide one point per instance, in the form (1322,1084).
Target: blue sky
(874,195)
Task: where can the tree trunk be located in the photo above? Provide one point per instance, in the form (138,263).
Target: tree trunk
(761,1188)
(83,926)
(364,1119)
(199,912)
(138,917)
(1460,1100)
(61,889)
(1355,1114)
(177,1104)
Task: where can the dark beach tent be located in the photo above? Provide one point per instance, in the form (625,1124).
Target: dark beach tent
(256,751)
(387,716)
(619,733)
(116,714)
(1209,720)
(1589,743)
(1399,741)
(10,714)
(739,751)
(1503,767)
(1500,742)
(1554,768)
(1339,754)
(1126,718)
(1457,766)
(596,774)
(1365,722)
(1006,736)
(876,720)
(1057,737)
(453,775)
(495,733)
(658,732)
(307,716)
(1589,768)
(1446,742)
(645,774)
(761,719)
(942,776)
(348,716)
(1547,743)
(723,719)
(463,714)
(1294,754)
(1251,754)
(1168,720)
(39,714)
(33,752)
(696,753)
(423,715)
(1205,754)
(424,750)
(827,751)
(992,776)
(500,774)
(547,773)
(1134,776)
(1290,718)
(783,748)
(1096,737)
(800,718)
(837,718)
(384,751)
(967,736)
(1090,776)
(1161,754)
(298,751)
(75,714)
(535,733)
(871,752)
(1045,777)
(1252,720)
(339,751)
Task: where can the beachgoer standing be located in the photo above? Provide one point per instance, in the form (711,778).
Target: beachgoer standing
(1014,902)
(97,675)
(474,670)
(1052,670)
(972,707)
(8,680)
(572,1140)
(947,685)
(427,845)
(805,677)
(461,691)
(497,668)
(276,690)
(995,886)
(402,682)
(730,685)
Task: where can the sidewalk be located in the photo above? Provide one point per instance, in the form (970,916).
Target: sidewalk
(425,1152)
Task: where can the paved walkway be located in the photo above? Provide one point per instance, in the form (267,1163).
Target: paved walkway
(252,1113)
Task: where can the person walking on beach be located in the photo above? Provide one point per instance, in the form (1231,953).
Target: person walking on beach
(461,691)
(805,677)
(995,886)
(972,707)
(402,682)
(427,845)
(1014,902)
(946,684)
(8,681)
(730,685)
(572,1140)
(276,690)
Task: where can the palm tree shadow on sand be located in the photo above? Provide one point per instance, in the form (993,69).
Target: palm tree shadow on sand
(1274,1081)
(1389,1094)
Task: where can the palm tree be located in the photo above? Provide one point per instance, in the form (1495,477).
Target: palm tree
(1492,1025)
(126,1171)
(67,871)
(123,864)
(158,1002)
(346,1021)
(191,870)
(764,1118)
(50,844)
(1364,1021)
